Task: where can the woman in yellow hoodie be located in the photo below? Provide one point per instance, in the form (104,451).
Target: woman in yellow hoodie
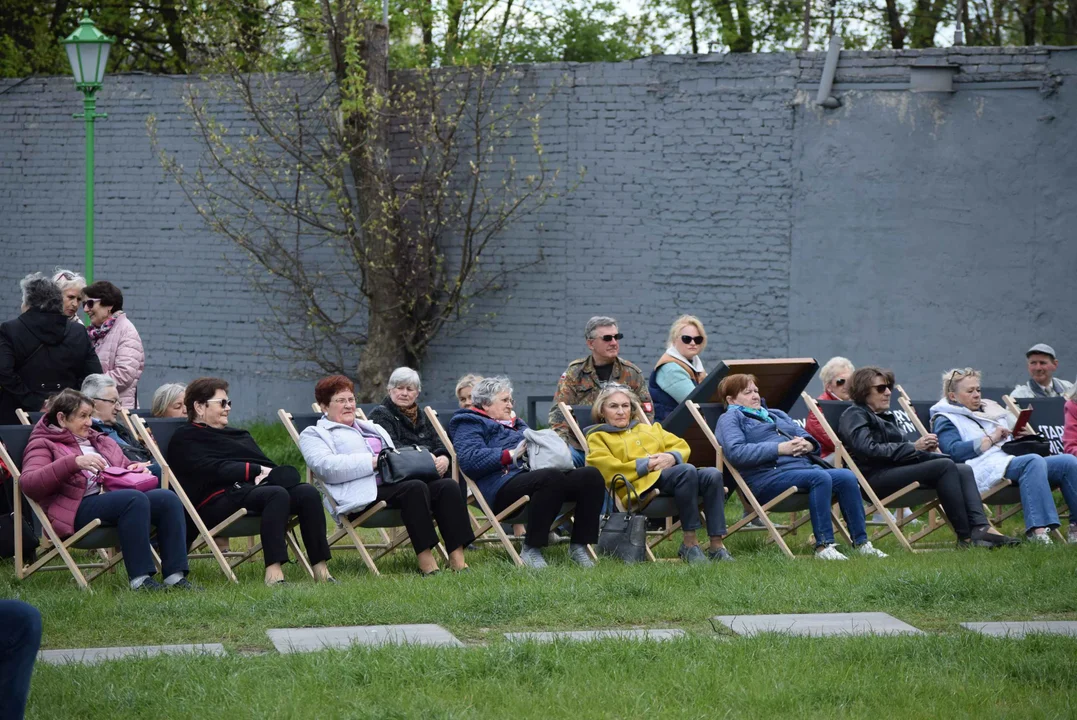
(648,456)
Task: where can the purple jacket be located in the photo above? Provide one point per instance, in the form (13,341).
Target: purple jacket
(122,358)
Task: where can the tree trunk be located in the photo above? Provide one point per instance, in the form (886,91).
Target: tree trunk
(175,32)
(893,21)
(692,26)
(1028,21)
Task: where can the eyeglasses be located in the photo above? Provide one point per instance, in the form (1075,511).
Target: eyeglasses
(225,402)
(882,388)
(689,339)
(609,338)
(840,381)
(108,400)
(88,303)
(342,401)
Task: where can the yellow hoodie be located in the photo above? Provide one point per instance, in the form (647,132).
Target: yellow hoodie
(616,451)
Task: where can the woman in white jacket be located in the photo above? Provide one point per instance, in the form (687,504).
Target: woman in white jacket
(343,453)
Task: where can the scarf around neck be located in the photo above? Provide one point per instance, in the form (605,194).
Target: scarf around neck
(411,413)
(761,413)
(97,334)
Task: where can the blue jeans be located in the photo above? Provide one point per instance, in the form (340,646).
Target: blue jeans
(823,486)
(20,637)
(687,484)
(1034,477)
(133,512)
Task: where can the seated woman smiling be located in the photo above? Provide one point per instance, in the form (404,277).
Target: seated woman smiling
(343,452)
(647,456)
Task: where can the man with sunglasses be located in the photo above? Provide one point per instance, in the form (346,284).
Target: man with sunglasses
(581,382)
(1042,364)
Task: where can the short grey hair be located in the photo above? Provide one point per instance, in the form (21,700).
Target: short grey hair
(165,396)
(95,383)
(834,366)
(404,376)
(68,278)
(596,322)
(41,294)
(485,391)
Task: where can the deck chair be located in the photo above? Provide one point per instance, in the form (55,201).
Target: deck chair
(653,505)
(95,535)
(516,513)
(377,515)
(912,495)
(788,501)
(156,434)
(28,418)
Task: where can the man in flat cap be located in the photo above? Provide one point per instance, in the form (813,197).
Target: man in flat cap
(1042,363)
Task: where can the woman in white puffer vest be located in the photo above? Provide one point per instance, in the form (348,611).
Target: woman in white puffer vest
(973,430)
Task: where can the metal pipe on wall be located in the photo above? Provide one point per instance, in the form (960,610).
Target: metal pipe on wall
(830,69)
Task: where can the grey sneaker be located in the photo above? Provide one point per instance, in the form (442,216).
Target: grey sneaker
(579,555)
(1071,536)
(720,555)
(532,557)
(691,555)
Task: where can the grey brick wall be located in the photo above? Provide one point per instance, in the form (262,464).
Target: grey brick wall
(913,230)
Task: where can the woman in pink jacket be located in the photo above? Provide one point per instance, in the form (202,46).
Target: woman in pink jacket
(60,470)
(1069,430)
(114,338)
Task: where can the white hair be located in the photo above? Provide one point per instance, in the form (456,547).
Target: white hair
(485,391)
(95,383)
(164,396)
(404,377)
(833,367)
(68,278)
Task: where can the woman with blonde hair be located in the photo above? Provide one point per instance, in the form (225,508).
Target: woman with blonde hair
(679,370)
(463,389)
(168,401)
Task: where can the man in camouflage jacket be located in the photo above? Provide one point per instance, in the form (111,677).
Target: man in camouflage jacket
(581,382)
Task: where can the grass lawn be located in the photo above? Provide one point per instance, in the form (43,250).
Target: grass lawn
(949,672)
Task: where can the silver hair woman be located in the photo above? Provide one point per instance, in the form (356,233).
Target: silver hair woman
(104,393)
(71,285)
(399,415)
(835,376)
(168,401)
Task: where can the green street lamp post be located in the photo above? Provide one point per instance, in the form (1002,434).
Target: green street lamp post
(87,50)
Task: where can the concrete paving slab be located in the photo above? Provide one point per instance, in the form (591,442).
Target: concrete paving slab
(819,624)
(92,656)
(1020,628)
(288,640)
(585,635)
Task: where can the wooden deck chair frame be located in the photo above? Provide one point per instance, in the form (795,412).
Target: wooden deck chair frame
(491,521)
(875,503)
(646,499)
(60,548)
(758,510)
(24,418)
(206,535)
(348,529)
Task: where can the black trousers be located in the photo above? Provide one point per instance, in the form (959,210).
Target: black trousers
(276,505)
(417,501)
(549,490)
(954,482)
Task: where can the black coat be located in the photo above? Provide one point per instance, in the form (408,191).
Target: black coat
(403,432)
(40,354)
(876,442)
(208,461)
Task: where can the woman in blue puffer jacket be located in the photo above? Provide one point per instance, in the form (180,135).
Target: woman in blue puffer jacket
(772,451)
(491,450)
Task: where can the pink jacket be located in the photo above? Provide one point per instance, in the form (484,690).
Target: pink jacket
(1069,432)
(51,477)
(122,358)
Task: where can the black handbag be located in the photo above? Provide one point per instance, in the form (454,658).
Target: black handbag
(406,463)
(1028,445)
(624,534)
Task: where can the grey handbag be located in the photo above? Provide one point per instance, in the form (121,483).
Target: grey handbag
(546,450)
(624,534)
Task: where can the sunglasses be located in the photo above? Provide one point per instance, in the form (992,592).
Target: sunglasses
(88,303)
(225,402)
(689,339)
(881,388)
(840,381)
(610,338)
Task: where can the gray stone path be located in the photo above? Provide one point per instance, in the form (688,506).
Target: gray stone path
(92,656)
(288,640)
(1025,627)
(819,624)
(583,635)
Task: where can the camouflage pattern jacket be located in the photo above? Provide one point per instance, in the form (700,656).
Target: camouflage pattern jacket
(579,385)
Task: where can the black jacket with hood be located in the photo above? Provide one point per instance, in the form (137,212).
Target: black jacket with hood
(41,353)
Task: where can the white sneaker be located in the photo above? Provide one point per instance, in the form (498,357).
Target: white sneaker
(1041,539)
(869,549)
(829,552)
(1071,536)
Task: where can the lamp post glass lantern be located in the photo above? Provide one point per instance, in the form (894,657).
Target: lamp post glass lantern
(87,51)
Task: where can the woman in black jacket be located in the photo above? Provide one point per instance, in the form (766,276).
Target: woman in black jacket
(223,469)
(400,416)
(41,352)
(889,462)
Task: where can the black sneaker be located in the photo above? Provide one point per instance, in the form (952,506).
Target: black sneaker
(185,584)
(150,585)
(982,534)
